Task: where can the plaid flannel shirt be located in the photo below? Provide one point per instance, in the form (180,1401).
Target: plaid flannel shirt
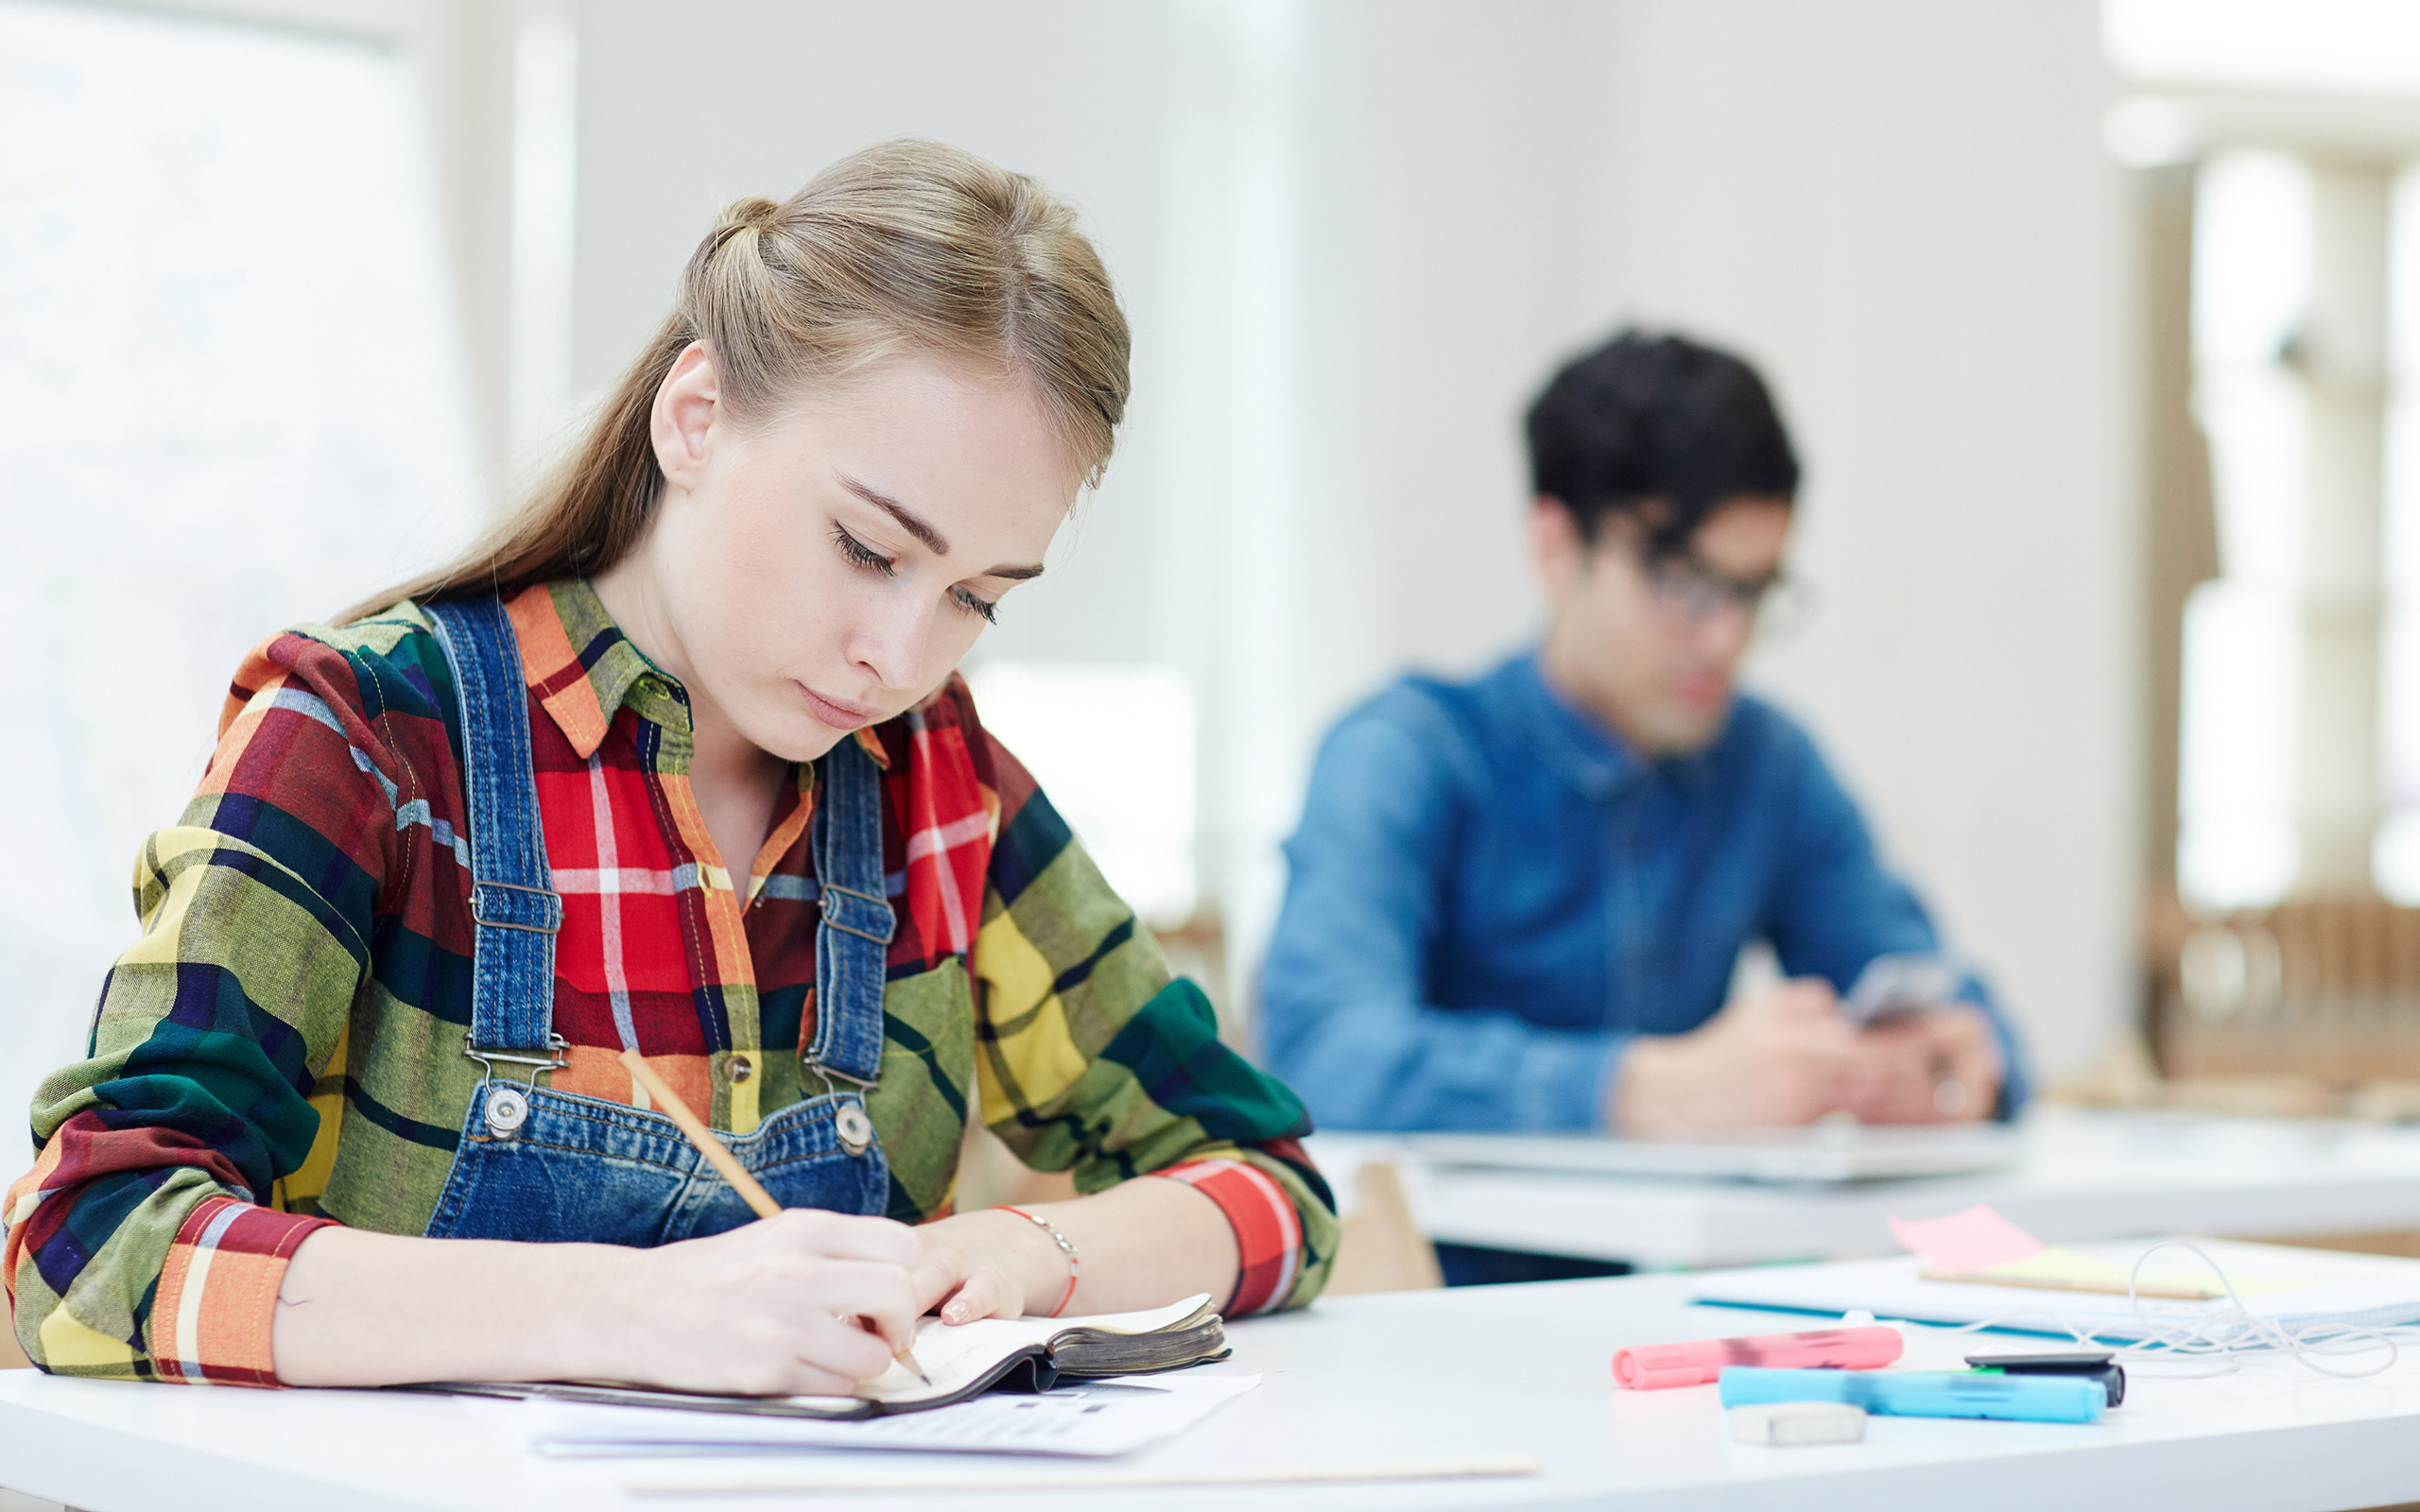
(282,1047)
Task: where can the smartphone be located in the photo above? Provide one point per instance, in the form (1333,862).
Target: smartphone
(1892,985)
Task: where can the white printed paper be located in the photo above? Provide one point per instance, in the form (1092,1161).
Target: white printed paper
(2291,1288)
(1090,1419)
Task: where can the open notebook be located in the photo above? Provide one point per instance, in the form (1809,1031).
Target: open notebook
(1027,1353)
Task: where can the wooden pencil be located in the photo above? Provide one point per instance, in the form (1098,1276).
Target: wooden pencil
(751,1192)
(2171,1294)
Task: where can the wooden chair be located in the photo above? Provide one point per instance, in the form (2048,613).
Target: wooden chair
(1382,1249)
(2323,991)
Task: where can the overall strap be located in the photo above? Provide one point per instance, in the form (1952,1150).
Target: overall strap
(513,905)
(852,944)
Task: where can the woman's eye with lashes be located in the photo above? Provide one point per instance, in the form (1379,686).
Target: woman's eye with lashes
(988,608)
(862,555)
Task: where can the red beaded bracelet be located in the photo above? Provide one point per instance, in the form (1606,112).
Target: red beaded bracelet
(1075,1262)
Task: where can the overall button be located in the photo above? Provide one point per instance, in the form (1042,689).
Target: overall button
(508,1110)
(855,1129)
(738,1069)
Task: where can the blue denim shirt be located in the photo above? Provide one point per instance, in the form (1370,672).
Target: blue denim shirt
(1491,895)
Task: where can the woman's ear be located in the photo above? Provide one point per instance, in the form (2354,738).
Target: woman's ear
(686,403)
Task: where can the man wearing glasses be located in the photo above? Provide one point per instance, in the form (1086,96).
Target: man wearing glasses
(1517,903)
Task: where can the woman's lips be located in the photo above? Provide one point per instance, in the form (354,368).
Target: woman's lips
(837,712)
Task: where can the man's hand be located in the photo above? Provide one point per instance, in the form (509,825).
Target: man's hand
(1787,1057)
(1782,1057)
(1935,1065)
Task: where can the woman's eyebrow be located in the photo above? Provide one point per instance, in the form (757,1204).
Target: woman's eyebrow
(916,526)
(907,518)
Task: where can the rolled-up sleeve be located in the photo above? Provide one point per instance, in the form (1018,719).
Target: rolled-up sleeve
(145,1241)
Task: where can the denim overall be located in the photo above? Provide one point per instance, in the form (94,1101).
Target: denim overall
(535,1163)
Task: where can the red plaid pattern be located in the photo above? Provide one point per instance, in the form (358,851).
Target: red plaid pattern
(1268,1233)
(216,1309)
(951,829)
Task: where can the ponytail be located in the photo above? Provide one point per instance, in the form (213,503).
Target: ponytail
(907,247)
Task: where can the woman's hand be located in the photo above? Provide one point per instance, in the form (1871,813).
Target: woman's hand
(777,1307)
(991,1263)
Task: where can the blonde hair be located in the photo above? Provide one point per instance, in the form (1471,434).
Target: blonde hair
(912,246)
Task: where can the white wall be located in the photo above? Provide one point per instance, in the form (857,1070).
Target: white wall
(1355,234)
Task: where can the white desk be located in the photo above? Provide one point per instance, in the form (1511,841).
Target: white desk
(2085,1176)
(1415,1376)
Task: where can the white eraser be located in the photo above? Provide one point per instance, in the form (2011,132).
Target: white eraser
(1798,1422)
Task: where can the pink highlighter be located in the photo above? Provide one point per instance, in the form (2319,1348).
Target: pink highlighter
(1653,1366)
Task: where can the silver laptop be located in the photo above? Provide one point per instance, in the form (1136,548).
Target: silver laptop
(1826,1154)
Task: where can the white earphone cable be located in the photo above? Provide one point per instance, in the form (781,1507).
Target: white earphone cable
(2224,1335)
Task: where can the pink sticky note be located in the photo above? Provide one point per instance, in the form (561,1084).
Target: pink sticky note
(1974,1240)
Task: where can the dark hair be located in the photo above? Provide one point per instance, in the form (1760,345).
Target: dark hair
(1657,419)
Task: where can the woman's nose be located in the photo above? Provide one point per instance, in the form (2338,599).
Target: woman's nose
(890,642)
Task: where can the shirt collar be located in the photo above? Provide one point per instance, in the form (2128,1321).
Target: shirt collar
(582,669)
(1593,760)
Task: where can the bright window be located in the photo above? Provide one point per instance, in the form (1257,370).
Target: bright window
(1113,746)
(230,398)
(2236,839)
(2396,863)
(2369,46)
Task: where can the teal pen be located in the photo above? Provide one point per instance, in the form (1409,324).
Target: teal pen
(1924,1393)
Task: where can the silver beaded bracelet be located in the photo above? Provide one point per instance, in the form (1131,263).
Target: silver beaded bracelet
(1075,1261)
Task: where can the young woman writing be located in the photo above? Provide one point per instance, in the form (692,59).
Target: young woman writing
(676,763)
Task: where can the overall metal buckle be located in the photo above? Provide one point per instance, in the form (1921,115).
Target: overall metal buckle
(849,1121)
(479,916)
(871,899)
(508,1106)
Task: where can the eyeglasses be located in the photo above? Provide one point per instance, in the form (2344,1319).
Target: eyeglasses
(1691,588)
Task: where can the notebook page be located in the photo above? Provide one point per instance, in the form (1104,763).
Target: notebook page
(957,1356)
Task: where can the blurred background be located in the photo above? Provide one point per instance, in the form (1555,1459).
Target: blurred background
(2098,325)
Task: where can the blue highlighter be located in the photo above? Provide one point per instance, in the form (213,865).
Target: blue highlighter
(1924,1393)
